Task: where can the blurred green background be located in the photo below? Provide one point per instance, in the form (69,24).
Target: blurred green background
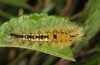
(84,12)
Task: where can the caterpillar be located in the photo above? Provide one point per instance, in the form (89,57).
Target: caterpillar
(64,36)
(54,32)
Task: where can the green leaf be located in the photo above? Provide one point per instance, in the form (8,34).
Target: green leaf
(35,23)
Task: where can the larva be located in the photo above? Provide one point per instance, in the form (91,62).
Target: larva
(56,32)
(50,34)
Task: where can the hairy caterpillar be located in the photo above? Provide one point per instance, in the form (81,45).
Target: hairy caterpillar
(65,33)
